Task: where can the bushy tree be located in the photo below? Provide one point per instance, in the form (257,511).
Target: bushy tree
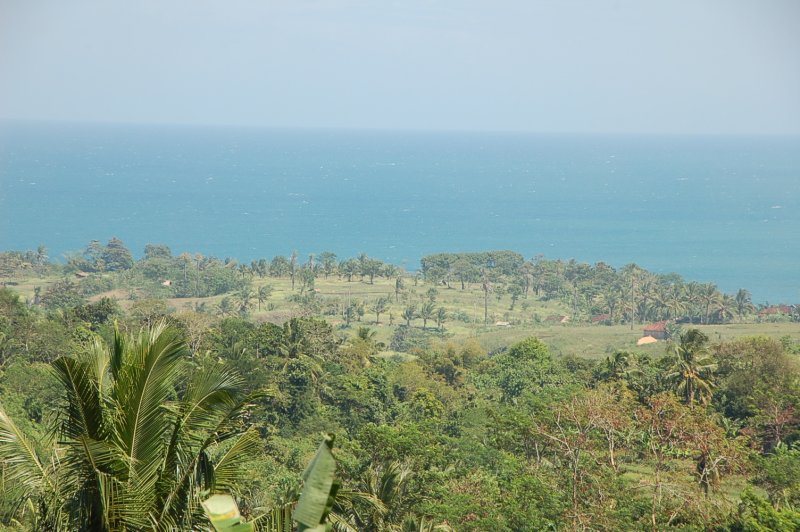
(526,366)
(280,266)
(62,294)
(157,251)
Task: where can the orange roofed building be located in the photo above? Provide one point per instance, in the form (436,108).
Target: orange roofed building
(657,330)
(775,310)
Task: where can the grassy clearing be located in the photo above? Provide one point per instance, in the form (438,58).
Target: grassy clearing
(527,319)
(465,315)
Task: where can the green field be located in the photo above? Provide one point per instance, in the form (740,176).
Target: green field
(465,315)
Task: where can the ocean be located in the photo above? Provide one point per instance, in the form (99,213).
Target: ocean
(718,209)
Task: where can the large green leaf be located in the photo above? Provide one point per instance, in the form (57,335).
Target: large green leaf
(316,499)
(319,488)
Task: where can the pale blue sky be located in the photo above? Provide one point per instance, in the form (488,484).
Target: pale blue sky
(633,66)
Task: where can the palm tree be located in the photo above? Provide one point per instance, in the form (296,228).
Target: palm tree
(293,266)
(691,293)
(399,286)
(225,307)
(366,334)
(185,259)
(349,312)
(300,355)
(386,497)
(675,300)
(328,261)
(617,365)
(744,303)
(426,313)
(486,286)
(409,313)
(380,306)
(708,296)
(382,500)
(647,292)
(40,259)
(441,317)
(692,368)
(244,300)
(526,272)
(611,299)
(244,269)
(41,255)
(257,268)
(725,307)
(137,441)
(264,293)
(293,343)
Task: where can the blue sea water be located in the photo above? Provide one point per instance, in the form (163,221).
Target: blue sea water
(719,209)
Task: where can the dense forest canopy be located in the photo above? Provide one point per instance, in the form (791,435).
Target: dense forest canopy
(132,390)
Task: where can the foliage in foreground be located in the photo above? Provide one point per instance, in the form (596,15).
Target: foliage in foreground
(311,511)
(704,437)
(139,438)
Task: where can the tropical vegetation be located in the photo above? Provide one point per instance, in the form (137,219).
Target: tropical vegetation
(131,404)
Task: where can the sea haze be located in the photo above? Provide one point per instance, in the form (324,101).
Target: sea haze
(720,209)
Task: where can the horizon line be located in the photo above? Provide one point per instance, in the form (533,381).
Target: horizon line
(386,129)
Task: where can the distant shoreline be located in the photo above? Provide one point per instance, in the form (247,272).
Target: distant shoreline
(409,268)
(701,206)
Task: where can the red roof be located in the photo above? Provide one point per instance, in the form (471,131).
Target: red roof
(659,326)
(776,309)
(601,317)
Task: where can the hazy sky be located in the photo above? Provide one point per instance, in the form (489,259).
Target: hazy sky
(693,66)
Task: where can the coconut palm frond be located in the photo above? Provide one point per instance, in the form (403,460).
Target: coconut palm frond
(84,413)
(340,524)
(228,469)
(131,455)
(149,365)
(18,455)
(207,416)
